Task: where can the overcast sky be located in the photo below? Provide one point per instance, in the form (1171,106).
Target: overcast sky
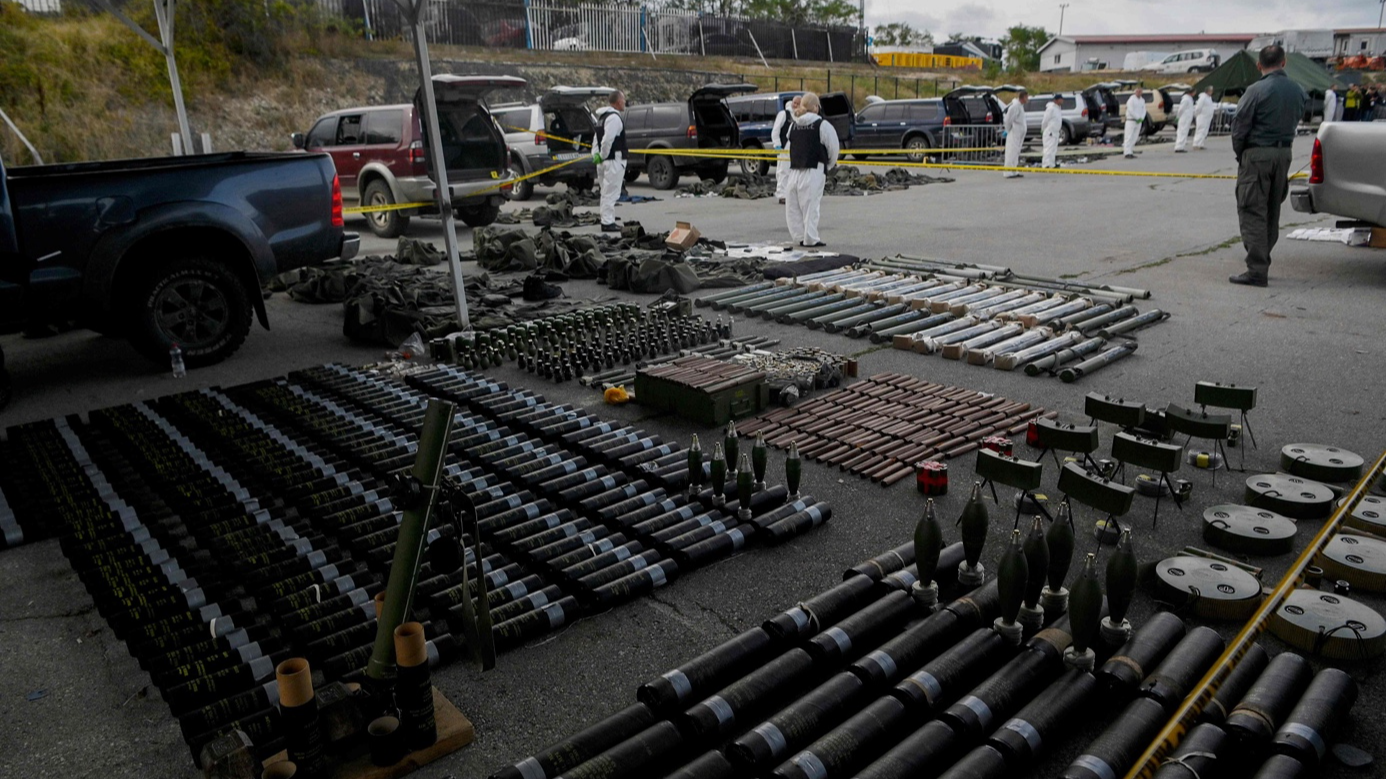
(990,18)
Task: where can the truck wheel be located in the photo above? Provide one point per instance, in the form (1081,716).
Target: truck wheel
(386,224)
(522,190)
(916,147)
(586,183)
(197,303)
(753,166)
(478,216)
(1065,135)
(632,173)
(662,173)
(716,172)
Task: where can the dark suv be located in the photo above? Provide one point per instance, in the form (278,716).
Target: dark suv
(380,153)
(755,119)
(701,122)
(919,125)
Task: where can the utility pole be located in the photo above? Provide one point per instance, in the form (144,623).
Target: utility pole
(1380,13)
(1064,7)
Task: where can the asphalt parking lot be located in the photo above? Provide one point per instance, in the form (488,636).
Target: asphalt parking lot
(1312,343)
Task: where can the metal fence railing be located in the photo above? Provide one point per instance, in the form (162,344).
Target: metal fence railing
(555,25)
(42,6)
(986,137)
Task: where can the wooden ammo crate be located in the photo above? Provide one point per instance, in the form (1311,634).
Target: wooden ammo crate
(704,390)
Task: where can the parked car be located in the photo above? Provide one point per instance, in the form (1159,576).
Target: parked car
(1075,116)
(381,154)
(1347,173)
(1190,61)
(1103,106)
(755,119)
(702,122)
(551,131)
(1157,106)
(920,124)
(164,250)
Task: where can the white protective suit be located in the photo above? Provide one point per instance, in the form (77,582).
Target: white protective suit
(781,160)
(1013,124)
(1203,119)
(1135,117)
(803,189)
(1186,118)
(1330,106)
(1051,128)
(612,172)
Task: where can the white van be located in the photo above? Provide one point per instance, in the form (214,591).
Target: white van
(1192,61)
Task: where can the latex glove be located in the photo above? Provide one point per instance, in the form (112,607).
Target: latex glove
(596,158)
(1003,135)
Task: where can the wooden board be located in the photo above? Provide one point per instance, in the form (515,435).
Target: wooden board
(454,732)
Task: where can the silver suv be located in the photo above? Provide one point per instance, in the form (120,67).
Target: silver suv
(1075,127)
(549,132)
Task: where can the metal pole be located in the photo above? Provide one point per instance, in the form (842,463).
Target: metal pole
(366,14)
(794,39)
(164,12)
(758,51)
(829,36)
(1064,6)
(22,139)
(413,12)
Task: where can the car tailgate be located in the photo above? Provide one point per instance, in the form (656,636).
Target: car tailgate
(837,109)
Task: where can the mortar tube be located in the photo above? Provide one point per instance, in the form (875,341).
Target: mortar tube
(583,745)
(956,350)
(928,321)
(636,584)
(1054,345)
(942,329)
(779,313)
(1090,313)
(920,287)
(1051,314)
(1023,341)
(720,713)
(957,668)
(886,324)
(804,316)
(1046,719)
(708,300)
(766,300)
(934,344)
(414,687)
(919,754)
(1122,674)
(1093,324)
(822,610)
(1266,704)
(940,630)
(648,753)
(887,562)
(873,315)
(1197,755)
(818,322)
(708,671)
(864,627)
(787,510)
(1230,693)
(299,716)
(1051,363)
(1183,667)
(1095,363)
(798,523)
(1135,323)
(1116,749)
(1307,730)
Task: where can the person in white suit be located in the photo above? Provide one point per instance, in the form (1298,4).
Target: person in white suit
(1013,126)
(1186,118)
(1330,105)
(610,156)
(813,151)
(779,136)
(1203,118)
(1051,128)
(1135,118)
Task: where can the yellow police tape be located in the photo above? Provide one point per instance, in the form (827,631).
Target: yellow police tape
(1188,711)
(731,155)
(500,185)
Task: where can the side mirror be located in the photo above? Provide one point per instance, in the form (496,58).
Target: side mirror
(300,140)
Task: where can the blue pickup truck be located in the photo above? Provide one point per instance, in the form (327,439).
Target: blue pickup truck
(755,118)
(163,250)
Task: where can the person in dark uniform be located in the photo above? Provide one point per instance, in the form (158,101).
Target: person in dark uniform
(1262,134)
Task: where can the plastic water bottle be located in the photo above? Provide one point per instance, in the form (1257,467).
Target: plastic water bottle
(175,358)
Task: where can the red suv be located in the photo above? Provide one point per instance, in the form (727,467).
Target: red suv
(381,154)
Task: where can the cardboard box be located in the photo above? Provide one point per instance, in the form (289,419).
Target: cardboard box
(1378,238)
(683,236)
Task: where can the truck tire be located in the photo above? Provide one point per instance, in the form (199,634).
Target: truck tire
(479,215)
(521,190)
(717,172)
(386,224)
(916,145)
(196,302)
(586,183)
(753,166)
(662,173)
(632,173)
(1065,135)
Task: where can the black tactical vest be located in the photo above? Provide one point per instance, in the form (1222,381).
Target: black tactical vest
(806,150)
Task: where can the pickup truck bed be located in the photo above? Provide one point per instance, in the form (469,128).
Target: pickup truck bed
(163,250)
(1347,175)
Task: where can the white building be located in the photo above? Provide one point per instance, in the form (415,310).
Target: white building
(1102,52)
(1314,44)
(42,6)
(1370,41)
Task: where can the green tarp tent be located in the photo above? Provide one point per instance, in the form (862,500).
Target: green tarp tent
(1239,72)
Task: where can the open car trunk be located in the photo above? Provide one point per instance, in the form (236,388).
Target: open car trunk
(566,116)
(473,146)
(972,105)
(837,109)
(715,123)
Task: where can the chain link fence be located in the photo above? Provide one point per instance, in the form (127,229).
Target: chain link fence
(555,25)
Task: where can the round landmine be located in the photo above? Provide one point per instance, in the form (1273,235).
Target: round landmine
(1331,626)
(1213,589)
(1292,496)
(1369,516)
(1247,530)
(1208,461)
(1321,463)
(1151,486)
(1357,560)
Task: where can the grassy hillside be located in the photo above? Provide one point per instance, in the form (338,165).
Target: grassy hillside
(83,86)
